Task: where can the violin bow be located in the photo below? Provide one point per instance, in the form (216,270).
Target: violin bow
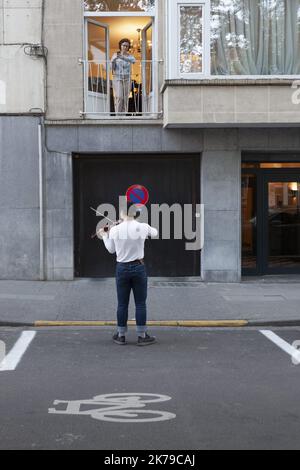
(99,213)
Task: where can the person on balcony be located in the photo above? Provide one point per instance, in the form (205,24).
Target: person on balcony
(121,70)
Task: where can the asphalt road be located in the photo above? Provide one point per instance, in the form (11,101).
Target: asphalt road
(194,389)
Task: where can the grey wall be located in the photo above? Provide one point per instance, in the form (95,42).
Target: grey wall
(63,35)
(19,198)
(221,196)
(20,24)
(220,151)
(59,217)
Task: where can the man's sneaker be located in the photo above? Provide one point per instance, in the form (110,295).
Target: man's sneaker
(119,339)
(145,341)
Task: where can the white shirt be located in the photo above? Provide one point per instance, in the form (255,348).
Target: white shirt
(127,240)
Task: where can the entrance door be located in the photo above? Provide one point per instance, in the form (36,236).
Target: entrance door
(282,224)
(101,179)
(98,86)
(270,220)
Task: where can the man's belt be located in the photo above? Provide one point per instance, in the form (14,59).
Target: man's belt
(141,261)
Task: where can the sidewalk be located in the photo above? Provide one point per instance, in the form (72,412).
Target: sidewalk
(263,301)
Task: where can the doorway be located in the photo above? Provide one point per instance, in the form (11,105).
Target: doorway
(102,38)
(270,218)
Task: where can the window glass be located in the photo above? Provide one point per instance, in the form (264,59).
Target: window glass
(255,37)
(271,165)
(191,39)
(280,165)
(283,224)
(249,221)
(119,5)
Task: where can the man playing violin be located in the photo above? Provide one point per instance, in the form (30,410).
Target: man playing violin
(127,240)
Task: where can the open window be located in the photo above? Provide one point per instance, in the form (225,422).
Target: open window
(189,38)
(120,82)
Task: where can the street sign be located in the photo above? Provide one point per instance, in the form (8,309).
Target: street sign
(138,195)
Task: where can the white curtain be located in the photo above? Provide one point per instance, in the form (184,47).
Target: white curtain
(255,37)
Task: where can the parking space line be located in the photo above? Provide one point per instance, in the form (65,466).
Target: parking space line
(13,358)
(286,347)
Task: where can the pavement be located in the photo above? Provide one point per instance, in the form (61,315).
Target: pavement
(266,301)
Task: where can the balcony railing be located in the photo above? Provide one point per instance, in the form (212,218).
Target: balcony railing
(111,96)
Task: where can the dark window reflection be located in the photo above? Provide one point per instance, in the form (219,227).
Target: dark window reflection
(284,224)
(249,225)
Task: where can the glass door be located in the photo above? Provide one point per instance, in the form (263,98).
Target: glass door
(147,68)
(98,73)
(282,223)
(270,218)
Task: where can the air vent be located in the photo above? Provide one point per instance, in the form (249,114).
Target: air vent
(176,284)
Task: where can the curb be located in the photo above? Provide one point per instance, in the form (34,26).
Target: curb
(277,323)
(15,324)
(156,323)
(170,323)
(176,323)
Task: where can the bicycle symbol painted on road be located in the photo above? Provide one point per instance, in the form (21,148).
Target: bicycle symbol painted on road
(117,408)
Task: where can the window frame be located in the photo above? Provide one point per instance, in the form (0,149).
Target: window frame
(174,32)
(173,67)
(152,13)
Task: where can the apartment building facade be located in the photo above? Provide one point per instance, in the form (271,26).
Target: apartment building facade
(211,116)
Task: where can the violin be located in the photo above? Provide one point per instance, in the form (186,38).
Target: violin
(107,228)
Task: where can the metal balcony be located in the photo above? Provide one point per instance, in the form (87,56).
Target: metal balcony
(109,96)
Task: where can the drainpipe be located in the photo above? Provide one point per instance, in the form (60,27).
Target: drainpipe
(41,204)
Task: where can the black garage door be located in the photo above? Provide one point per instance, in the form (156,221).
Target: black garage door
(100,179)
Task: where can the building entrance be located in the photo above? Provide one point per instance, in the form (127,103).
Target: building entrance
(271,218)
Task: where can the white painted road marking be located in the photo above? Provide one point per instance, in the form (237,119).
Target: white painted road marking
(117,408)
(13,358)
(2,351)
(286,347)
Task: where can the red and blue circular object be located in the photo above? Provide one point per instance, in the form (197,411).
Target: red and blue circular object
(137,195)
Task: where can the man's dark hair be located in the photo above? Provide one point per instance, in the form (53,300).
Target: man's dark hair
(124,40)
(133,210)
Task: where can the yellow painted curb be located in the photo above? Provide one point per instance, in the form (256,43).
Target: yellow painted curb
(180,323)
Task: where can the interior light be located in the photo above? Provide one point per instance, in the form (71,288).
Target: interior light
(294,187)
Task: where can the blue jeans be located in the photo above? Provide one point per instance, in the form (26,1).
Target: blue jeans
(131,276)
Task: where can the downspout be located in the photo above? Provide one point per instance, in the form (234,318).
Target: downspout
(41,205)
(41,129)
